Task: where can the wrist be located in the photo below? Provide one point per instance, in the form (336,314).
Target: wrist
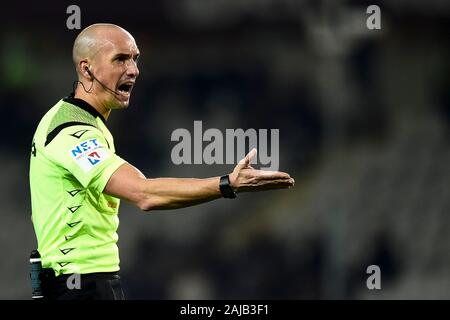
(226,187)
(233,182)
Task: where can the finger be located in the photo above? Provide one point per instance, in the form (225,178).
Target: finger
(276,184)
(249,157)
(283,183)
(268,175)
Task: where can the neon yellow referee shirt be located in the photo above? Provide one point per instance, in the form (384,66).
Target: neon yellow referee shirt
(72,159)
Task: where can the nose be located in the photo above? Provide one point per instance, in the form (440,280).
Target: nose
(132,69)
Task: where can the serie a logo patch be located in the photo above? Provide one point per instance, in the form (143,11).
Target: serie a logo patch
(89,153)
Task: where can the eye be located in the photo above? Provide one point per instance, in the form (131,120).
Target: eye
(121,59)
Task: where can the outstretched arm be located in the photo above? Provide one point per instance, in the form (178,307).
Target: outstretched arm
(130,184)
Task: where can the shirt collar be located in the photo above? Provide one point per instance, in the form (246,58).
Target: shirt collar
(80,103)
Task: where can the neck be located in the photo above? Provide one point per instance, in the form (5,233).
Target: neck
(94,101)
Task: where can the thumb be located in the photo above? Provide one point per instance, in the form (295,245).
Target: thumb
(249,157)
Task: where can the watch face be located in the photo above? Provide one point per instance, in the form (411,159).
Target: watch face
(225,188)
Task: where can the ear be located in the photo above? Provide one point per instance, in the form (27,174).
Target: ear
(84,69)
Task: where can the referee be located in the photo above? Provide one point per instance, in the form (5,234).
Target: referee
(77,179)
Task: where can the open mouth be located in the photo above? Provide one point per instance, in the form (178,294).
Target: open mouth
(125,88)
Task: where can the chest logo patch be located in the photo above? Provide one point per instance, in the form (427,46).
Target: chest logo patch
(89,154)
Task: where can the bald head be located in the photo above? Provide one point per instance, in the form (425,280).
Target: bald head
(94,38)
(105,57)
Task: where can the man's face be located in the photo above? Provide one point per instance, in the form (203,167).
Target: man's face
(115,66)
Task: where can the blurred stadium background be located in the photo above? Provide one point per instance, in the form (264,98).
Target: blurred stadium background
(364,119)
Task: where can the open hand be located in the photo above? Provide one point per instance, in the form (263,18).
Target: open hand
(246,178)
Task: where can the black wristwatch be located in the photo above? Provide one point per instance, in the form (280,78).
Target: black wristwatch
(226,189)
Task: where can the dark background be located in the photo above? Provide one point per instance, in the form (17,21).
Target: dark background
(364,118)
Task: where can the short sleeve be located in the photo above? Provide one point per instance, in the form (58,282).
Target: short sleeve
(86,154)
